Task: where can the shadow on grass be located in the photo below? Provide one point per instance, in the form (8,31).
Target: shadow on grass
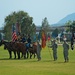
(12,59)
(28,60)
(35,60)
(7,59)
(65,62)
(47,60)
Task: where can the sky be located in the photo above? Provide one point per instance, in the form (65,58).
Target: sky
(54,10)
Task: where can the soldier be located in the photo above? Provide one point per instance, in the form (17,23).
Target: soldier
(54,48)
(29,40)
(19,37)
(28,45)
(23,39)
(65,51)
(38,50)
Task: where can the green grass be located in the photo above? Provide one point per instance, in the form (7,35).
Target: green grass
(33,67)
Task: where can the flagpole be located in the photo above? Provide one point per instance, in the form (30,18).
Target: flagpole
(49,49)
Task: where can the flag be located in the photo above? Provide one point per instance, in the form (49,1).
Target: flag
(14,36)
(43,39)
(18,28)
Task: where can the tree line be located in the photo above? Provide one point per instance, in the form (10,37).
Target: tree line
(28,27)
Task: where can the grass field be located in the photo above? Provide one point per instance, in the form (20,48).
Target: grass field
(33,67)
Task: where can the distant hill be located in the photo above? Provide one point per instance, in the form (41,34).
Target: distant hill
(70,17)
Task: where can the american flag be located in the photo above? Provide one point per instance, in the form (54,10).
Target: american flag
(14,36)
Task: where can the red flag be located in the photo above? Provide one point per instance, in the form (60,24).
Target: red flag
(43,39)
(14,36)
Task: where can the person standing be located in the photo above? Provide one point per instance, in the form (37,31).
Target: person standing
(54,48)
(39,50)
(65,51)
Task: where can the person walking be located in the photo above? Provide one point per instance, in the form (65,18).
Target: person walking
(65,51)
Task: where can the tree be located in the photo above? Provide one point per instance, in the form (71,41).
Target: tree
(24,20)
(68,24)
(55,33)
(27,25)
(73,27)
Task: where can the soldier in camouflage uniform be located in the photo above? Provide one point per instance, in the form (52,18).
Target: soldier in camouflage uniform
(39,50)
(54,48)
(65,51)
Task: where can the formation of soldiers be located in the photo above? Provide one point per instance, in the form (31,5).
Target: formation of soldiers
(54,47)
(65,50)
